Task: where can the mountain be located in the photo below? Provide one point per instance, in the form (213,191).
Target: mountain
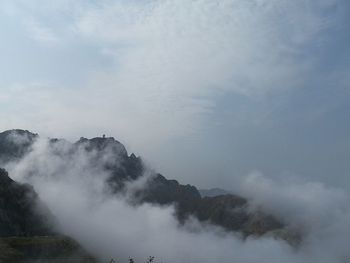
(225,210)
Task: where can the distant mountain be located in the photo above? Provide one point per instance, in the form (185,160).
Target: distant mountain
(226,210)
(213,192)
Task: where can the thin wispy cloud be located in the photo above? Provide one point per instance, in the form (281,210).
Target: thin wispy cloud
(41,33)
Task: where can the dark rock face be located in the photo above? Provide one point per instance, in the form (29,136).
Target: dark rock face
(21,211)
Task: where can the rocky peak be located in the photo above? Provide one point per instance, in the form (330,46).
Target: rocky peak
(103,144)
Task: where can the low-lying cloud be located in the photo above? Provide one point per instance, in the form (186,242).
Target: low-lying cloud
(75,191)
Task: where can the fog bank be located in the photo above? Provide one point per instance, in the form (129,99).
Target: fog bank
(106,224)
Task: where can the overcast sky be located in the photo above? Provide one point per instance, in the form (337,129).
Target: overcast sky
(206,91)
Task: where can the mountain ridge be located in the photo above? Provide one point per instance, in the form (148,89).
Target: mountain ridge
(228,211)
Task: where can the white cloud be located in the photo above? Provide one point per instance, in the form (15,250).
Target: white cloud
(310,205)
(173,58)
(75,191)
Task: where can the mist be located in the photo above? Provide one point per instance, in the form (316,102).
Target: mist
(110,226)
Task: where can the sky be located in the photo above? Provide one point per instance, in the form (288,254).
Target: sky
(207,92)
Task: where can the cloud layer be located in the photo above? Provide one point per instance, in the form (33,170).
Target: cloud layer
(74,189)
(220,86)
(171,59)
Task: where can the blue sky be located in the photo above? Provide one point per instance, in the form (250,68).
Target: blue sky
(206,91)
